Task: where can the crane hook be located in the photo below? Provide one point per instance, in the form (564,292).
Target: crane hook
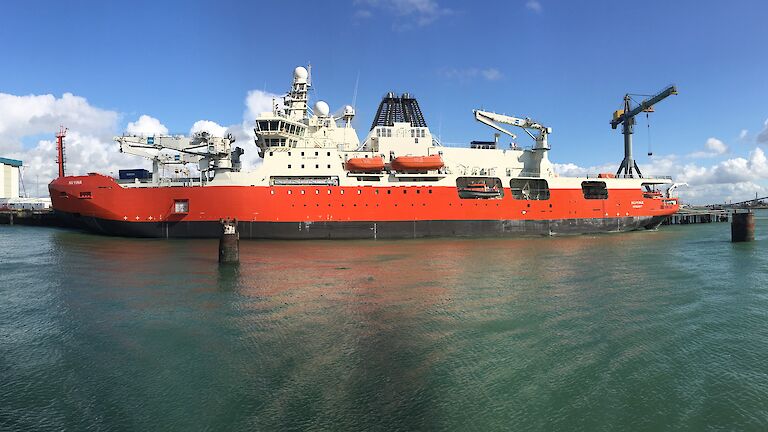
(648,124)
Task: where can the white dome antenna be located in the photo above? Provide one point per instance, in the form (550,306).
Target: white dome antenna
(300,73)
(322,109)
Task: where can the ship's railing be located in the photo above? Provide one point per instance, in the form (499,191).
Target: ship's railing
(629,176)
(529,174)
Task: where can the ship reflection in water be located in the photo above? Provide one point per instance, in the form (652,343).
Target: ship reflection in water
(641,330)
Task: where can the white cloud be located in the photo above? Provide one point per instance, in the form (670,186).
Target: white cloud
(22,116)
(712,147)
(533,5)
(211,127)
(762,137)
(89,146)
(258,102)
(734,179)
(146,126)
(743,134)
(407,13)
(716,146)
(489,74)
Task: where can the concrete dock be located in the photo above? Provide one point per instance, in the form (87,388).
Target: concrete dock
(29,217)
(692,215)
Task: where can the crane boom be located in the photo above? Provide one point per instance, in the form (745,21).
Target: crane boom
(492,119)
(643,106)
(626,118)
(210,153)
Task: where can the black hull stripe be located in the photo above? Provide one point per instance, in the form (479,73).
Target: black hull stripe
(365,230)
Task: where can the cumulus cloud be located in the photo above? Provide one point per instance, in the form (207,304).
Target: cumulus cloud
(258,102)
(22,116)
(716,146)
(533,5)
(733,179)
(712,147)
(467,74)
(407,14)
(29,123)
(211,127)
(146,126)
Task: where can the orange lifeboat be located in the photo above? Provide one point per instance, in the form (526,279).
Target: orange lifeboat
(417,163)
(366,165)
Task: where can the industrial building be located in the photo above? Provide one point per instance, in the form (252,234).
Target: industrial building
(9,178)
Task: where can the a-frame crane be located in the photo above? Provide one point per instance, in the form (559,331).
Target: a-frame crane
(626,118)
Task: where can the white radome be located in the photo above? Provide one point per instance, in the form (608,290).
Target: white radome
(322,109)
(348,110)
(300,72)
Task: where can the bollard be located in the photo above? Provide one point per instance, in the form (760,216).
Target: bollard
(743,227)
(229,243)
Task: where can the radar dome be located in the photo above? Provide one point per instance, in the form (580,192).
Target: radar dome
(321,109)
(348,110)
(300,72)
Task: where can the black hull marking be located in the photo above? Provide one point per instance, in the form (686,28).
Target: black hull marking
(365,230)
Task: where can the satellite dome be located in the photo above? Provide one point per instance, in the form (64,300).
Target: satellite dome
(348,110)
(300,72)
(321,109)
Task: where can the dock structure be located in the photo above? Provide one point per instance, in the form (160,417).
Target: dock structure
(41,217)
(693,215)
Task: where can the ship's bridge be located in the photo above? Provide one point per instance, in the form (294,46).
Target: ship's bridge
(278,132)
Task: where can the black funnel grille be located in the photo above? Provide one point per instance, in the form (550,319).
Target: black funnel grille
(401,109)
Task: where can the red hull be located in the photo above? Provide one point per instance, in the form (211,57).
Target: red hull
(100,197)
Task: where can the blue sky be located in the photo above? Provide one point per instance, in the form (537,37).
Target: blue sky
(564,63)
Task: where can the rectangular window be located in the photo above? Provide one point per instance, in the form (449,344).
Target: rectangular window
(479,187)
(529,189)
(181,206)
(594,190)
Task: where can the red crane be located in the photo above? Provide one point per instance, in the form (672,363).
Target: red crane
(60,149)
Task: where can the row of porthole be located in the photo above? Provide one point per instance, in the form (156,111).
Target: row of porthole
(359,191)
(389,191)
(302,153)
(366,205)
(317,166)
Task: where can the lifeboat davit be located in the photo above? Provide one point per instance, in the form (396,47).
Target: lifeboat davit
(366,165)
(417,163)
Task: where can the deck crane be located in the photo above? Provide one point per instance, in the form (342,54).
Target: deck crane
(210,153)
(492,119)
(626,118)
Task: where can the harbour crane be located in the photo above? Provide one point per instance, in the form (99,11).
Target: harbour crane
(492,119)
(209,152)
(626,118)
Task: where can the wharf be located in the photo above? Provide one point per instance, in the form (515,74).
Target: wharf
(692,215)
(29,217)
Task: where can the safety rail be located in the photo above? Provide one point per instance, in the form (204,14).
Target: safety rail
(601,176)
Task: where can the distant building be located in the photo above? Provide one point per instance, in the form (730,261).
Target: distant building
(9,177)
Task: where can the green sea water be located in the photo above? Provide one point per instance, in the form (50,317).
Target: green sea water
(642,331)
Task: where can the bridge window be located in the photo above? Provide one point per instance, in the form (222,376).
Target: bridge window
(529,189)
(594,190)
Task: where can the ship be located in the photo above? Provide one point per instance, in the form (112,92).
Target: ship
(317,180)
